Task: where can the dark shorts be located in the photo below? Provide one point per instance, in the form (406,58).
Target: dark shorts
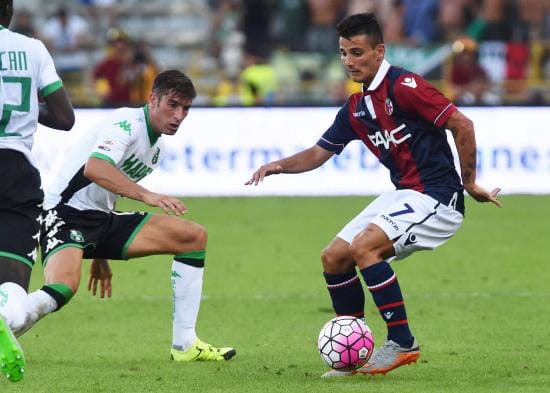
(99,234)
(20,207)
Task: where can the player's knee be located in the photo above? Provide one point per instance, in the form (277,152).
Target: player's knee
(334,262)
(200,237)
(363,251)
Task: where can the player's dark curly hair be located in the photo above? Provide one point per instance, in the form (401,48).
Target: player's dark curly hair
(6,12)
(359,24)
(174,81)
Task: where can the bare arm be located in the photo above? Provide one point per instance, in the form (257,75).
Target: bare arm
(112,179)
(304,161)
(463,132)
(57,112)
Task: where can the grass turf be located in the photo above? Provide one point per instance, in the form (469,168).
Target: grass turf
(478,305)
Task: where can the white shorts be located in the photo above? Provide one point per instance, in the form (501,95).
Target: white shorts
(413,221)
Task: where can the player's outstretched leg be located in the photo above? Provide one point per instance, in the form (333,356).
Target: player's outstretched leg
(391,355)
(201,351)
(12,359)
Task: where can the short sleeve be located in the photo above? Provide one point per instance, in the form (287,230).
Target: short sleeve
(48,80)
(114,138)
(417,96)
(340,133)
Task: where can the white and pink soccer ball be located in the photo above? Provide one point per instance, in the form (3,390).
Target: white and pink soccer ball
(345,343)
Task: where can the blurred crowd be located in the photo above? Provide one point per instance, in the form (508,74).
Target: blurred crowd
(285,52)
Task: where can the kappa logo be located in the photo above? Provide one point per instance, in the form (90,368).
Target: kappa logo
(388,315)
(125,125)
(411,239)
(410,82)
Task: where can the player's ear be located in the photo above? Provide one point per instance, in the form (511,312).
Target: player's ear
(380,52)
(153,99)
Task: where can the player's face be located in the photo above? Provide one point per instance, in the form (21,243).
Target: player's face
(167,112)
(360,59)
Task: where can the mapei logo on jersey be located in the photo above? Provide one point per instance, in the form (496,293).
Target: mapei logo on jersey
(125,125)
(409,81)
(387,137)
(104,148)
(155,158)
(76,236)
(388,106)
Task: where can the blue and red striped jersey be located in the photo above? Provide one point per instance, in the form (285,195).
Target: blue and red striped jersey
(401,119)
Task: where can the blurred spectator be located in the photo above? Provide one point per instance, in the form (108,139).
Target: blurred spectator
(455,16)
(258,80)
(22,23)
(290,24)
(112,75)
(321,35)
(421,26)
(494,21)
(469,82)
(256,24)
(360,6)
(67,35)
(226,39)
(534,21)
(101,13)
(142,72)
(393,25)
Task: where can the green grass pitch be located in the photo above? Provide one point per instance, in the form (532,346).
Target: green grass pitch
(479,305)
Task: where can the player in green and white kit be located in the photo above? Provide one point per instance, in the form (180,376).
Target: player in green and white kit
(79,220)
(26,72)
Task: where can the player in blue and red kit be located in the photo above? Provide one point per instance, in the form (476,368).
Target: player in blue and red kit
(402,119)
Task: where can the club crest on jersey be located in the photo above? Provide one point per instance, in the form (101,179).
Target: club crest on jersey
(76,236)
(389,106)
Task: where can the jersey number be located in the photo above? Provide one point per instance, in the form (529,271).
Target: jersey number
(24,106)
(408,209)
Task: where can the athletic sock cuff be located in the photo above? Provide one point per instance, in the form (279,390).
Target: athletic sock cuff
(191,258)
(61,293)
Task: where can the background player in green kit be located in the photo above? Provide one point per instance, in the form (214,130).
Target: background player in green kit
(26,72)
(79,221)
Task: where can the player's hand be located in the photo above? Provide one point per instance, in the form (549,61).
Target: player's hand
(170,205)
(100,271)
(263,171)
(482,195)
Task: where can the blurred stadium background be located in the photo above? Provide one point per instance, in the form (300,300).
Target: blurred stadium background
(284,53)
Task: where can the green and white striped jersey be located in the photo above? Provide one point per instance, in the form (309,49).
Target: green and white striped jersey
(126,140)
(26,68)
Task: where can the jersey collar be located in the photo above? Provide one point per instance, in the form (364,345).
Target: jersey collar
(153,136)
(379,77)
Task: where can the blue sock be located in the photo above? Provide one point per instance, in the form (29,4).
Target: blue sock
(346,293)
(386,293)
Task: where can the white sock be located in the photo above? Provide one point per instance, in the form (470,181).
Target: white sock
(13,304)
(39,304)
(187,288)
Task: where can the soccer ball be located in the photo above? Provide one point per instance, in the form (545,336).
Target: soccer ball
(345,343)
